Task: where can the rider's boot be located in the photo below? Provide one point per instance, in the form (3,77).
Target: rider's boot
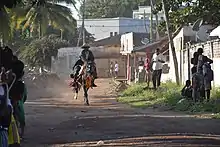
(94,77)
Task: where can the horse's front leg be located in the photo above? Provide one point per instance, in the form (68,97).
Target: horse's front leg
(76,93)
(86,100)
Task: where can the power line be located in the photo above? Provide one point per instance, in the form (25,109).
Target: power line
(102,26)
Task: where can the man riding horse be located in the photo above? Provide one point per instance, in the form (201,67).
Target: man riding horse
(85,57)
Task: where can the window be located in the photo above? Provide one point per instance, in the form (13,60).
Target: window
(111,34)
(116,33)
(161,18)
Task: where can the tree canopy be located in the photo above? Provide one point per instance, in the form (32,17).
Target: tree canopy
(112,8)
(183,12)
(38,52)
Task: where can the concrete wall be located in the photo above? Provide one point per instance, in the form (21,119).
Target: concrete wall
(182,56)
(103,56)
(146,10)
(103,27)
(103,67)
(211,49)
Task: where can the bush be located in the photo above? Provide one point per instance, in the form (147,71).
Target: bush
(169,95)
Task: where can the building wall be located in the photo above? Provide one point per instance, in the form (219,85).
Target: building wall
(126,43)
(103,64)
(133,25)
(146,10)
(182,56)
(211,49)
(105,27)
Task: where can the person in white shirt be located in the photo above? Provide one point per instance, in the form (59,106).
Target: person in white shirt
(157,64)
(116,69)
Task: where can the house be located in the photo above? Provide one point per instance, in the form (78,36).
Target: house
(135,50)
(108,27)
(106,51)
(145,11)
(129,42)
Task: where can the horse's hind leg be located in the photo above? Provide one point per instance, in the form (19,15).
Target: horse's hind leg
(76,93)
(86,101)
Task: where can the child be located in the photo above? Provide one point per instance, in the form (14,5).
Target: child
(187,90)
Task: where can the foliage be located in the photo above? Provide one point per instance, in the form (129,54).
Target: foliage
(111,8)
(38,15)
(5,25)
(39,52)
(183,12)
(168,96)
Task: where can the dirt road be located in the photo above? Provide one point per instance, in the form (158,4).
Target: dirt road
(54,119)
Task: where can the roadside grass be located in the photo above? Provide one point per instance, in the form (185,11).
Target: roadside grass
(169,96)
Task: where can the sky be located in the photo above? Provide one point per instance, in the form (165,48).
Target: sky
(75,13)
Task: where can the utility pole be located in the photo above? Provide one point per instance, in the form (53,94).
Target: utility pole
(151,24)
(145,25)
(156,18)
(82,30)
(83,21)
(171,44)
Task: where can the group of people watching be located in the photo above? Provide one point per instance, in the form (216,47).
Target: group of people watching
(114,69)
(12,97)
(153,68)
(202,76)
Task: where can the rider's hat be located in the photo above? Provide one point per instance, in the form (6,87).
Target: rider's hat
(85,45)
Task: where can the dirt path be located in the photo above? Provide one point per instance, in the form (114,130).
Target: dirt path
(58,120)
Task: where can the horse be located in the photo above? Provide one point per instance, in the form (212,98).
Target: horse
(84,80)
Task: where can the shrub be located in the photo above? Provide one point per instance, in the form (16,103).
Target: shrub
(169,94)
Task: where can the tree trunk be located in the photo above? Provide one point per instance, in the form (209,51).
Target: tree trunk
(39,30)
(171,41)
(151,23)
(157,29)
(156,17)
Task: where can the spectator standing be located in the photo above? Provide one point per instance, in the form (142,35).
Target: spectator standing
(147,71)
(111,69)
(116,69)
(208,76)
(157,65)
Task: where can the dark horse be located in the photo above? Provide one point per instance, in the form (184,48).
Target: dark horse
(83,79)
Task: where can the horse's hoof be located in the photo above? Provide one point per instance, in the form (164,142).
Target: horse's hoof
(86,104)
(75,97)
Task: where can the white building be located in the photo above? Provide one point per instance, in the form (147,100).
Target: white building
(107,27)
(146,10)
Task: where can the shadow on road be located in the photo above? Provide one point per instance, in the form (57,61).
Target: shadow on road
(55,119)
(89,125)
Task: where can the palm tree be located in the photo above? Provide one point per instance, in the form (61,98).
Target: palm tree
(42,13)
(5,6)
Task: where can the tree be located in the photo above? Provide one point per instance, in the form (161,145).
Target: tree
(112,8)
(47,46)
(41,13)
(183,12)
(5,29)
(171,41)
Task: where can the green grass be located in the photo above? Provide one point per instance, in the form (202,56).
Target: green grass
(168,95)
